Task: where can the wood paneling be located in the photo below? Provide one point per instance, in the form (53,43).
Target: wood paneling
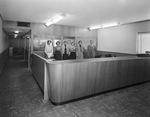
(37,67)
(3,59)
(140,71)
(71,80)
(99,79)
(111,81)
(147,70)
(54,30)
(123,74)
(26,56)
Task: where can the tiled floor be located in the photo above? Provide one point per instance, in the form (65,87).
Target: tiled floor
(20,96)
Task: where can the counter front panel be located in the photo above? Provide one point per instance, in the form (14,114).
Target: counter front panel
(67,80)
(75,80)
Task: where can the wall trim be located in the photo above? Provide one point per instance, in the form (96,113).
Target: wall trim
(134,22)
(144,32)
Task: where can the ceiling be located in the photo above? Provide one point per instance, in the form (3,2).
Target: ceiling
(22,32)
(83,13)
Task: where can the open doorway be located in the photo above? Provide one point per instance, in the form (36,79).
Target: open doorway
(16,40)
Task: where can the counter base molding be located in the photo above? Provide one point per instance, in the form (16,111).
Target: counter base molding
(96,94)
(74,79)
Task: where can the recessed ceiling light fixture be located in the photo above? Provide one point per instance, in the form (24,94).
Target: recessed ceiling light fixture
(110,25)
(94,27)
(49,23)
(55,19)
(104,26)
(16,31)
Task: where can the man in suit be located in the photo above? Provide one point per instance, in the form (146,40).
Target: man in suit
(65,51)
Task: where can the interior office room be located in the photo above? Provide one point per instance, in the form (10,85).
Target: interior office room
(74,58)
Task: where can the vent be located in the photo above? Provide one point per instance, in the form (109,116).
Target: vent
(23,24)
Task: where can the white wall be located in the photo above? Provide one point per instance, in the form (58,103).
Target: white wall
(3,37)
(121,38)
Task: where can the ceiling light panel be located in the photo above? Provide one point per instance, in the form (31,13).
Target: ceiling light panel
(49,23)
(94,27)
(110,25)
(55,19)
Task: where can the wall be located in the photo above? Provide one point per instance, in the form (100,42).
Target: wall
(13,24)
(53,30)
(83,34)
(15,43)
(3,37)
(61,30)
(121,38)
(18,45)
(3,46)
(41,32)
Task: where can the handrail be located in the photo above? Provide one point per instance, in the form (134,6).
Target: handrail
(40,56)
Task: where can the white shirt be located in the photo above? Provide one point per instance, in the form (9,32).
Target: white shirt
(49,50)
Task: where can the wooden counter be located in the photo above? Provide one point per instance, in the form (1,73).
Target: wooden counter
(72,79)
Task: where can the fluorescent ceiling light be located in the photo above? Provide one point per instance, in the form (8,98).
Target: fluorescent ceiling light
(58,18)
(109,25)
(55,19)
(49,23)
(16,31)
(94,27)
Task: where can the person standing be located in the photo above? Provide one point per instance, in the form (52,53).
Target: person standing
(65,51)
(80,50)
(57,51)
(49,49)
(91,50)
(72,51)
